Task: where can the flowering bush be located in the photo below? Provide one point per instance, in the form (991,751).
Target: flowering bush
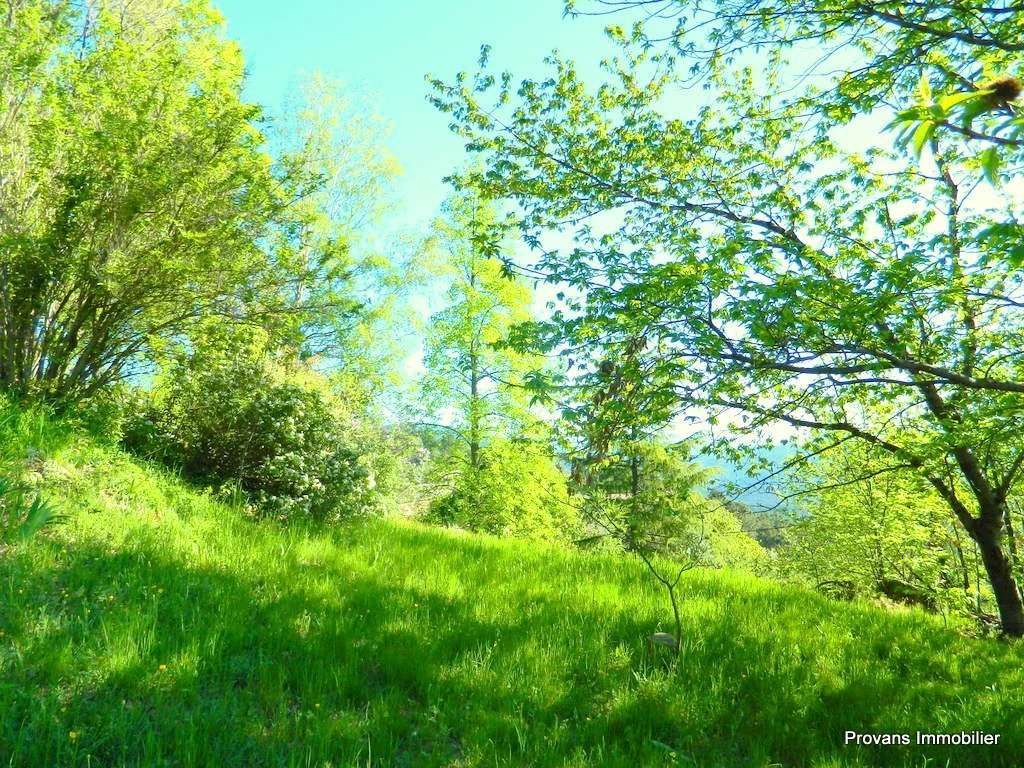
(229,414)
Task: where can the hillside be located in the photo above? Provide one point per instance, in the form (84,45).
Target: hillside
(157,627)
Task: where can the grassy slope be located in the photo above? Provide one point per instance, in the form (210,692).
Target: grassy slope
(157,627)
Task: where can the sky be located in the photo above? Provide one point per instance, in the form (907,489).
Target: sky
(383,50)
(382,53)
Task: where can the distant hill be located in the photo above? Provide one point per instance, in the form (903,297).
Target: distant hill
(760,497)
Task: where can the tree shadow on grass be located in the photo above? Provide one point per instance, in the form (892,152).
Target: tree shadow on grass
(152,661)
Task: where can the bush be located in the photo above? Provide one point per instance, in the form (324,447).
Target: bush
(518,491)
(230,415)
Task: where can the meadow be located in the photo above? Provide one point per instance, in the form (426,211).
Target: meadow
(380,424)
(157,626)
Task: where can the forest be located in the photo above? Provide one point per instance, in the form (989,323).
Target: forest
(687,427)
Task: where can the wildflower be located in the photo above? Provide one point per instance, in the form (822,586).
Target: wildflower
(73,735)
(163,667)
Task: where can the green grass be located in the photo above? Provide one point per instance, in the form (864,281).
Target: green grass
(158,627)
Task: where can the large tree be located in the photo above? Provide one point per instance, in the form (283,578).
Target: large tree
(138,194)
(752,266)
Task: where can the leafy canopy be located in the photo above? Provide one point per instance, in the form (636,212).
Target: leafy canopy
(754,269)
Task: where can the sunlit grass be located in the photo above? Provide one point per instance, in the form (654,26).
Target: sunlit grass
(159,627)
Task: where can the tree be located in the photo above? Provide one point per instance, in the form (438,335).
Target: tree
(644,496)
(776,276)
(138,195)
(473,387)
(518,490)
(636,490)
(323,133)
(469,373)
(885,535)
(879,50)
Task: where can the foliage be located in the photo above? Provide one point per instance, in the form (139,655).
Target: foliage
(886,535)
(868,55)
(518,490)
(470,370)
(229,414)
(755,272)
(765,526)
(161,626)
(323,133)
(646,495)
(139,196)
(498,475)
(20,517)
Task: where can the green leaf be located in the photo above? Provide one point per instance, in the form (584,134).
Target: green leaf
(921,136)
(39,515)
(956,99)
(989,160)
(924,89)
(973,109)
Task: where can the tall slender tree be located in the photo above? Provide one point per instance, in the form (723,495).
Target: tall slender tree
(472,377)
(501,475)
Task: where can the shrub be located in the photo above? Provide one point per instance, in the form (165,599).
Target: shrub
(229,414)
(518,491)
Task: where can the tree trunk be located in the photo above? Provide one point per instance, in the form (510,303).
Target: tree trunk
(474,389)
(958,549)
(1011,542)
(1000,576)
(474,412)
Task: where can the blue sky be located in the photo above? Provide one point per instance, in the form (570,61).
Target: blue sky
(383,51)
